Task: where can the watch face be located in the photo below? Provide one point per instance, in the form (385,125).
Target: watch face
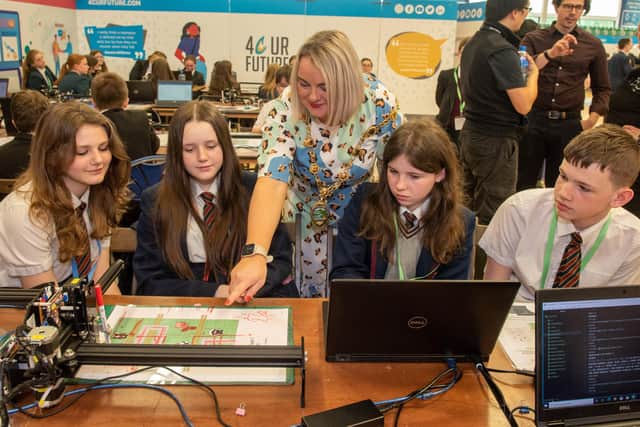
(248,249)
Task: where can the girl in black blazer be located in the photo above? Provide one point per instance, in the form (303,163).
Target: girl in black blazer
(35,73)
(193,224)
(412,224)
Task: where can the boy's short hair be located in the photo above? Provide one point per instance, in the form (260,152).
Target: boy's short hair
(496,10)
(190,58)
(26,108)
(622,43)
(108,91)
(609,146)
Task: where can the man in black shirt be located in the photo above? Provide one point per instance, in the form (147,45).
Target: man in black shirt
(497,97)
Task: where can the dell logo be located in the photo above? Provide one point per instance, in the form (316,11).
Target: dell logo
(417,322)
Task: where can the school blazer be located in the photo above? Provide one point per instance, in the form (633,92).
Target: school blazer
(36,81)
(155,277)
(352,254)
(138,136)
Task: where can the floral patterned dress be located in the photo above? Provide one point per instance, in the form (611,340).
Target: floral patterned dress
(303,153)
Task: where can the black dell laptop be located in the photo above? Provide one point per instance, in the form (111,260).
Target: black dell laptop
(415,320)
(588,356)
(140,91)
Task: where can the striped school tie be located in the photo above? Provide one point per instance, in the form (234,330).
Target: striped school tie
(409,225)
(568,275)
(208,216)
(83,261)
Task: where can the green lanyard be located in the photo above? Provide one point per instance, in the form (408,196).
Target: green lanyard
(550,237)
(401,274)
(456,78)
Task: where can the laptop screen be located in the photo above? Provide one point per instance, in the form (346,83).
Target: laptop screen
(174,91)
(4,88)
(588,348)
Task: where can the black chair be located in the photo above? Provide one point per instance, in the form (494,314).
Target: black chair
(5,103)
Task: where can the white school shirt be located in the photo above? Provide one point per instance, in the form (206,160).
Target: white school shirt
(409,248)
(27,247)
(195,239)
(517,238)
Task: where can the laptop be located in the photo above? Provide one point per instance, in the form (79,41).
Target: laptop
(4,88)
(370,320)
(173,93)
(588,356)
(249,88)
(140,91)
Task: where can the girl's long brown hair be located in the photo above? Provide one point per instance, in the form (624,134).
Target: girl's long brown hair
(28,64)
(52,152)
(428,148)
(175,202)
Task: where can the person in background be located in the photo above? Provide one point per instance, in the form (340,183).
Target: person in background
(193,223)
(92,62)
(160,71)
(74,77)
(222,79)
(366,64)
(449,98)
(565,54)
(412,224)
(318,146)
(497,97)
(282,83)
(141,70)
(101,66)
(190,73)
(26,108)
(268,91)
(36,75)
(620,64)
(110,96)
(624,110)
(57,222)
(577,233)
(527,26)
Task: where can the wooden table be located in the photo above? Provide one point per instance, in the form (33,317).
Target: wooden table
(329,385)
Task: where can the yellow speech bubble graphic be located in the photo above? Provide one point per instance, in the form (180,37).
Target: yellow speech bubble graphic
(414,55)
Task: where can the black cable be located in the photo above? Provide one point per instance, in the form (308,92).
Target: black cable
(503,371)
(208,389)
(4,414)
(497,393)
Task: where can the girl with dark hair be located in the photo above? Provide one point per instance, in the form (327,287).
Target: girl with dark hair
(101,66)
(57,222)
(222,78)
(194,222)
(411,224)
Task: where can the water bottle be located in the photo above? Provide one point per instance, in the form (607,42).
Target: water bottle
(182,76)
(524,62)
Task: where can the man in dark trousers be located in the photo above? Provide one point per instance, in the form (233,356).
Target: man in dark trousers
(565,54)
(497,98)
(26,108)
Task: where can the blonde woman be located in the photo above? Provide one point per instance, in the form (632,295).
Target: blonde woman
(319,145)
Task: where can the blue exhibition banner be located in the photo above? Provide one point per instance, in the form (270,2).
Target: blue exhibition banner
(629,13)
(117,41)
(446,10)
(468,12)
(10,53)
(155,5)
(351,8)
(279,7)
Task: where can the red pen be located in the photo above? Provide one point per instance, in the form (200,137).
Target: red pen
(101,312)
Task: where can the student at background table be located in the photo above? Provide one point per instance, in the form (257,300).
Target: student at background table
(74,76)
(36,74)
(193,223)
(57,222)
(318,146)
(577,233)
(26,108)
(111,96)
(412,224)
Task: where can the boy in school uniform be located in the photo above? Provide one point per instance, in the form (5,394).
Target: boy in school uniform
(578,233)
(111,96)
